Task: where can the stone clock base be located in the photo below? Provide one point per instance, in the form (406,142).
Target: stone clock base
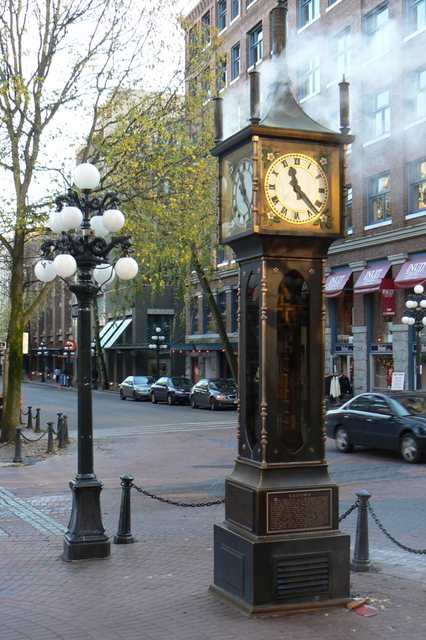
(268,576)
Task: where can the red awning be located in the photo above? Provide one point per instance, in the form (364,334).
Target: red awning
(336,282)
(413,272)
(371,278)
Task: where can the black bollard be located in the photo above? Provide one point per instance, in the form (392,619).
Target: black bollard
(58,428)
(18,454)
(61,434)
(66,434)
(124,535)
(37,421)
(30,418)
(50,447)
(361,560)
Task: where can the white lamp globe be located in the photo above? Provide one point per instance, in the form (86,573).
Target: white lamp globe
(113,220)
(411,321)
(65,265)
(55,222)
(404,319)
(44,271)
(418,289)
(71,217)
(86,176)
(104,273)
(97,226)
(424,321)
(411,304)
(126,268)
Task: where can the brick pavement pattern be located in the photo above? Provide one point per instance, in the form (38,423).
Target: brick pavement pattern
(157,588)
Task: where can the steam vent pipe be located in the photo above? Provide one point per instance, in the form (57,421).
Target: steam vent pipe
(344,106)
(279,26)
(218,118)
(254,96)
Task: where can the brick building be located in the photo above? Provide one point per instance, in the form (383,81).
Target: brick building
(380,49)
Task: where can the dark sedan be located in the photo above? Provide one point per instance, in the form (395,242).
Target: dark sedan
(171,390)
(215,393)
(136,387)
(394,421)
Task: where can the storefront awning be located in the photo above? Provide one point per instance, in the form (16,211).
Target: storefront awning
(336,282)
(107,331)
(413,272)
(112,337)
(371,278)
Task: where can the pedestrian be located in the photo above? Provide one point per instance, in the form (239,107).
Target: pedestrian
(95,377)
(57,374)
(47,371)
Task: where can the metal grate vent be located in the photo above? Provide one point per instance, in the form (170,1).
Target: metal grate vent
(301,576)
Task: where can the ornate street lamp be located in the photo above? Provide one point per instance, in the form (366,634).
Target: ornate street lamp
(42,352)
(415,316)
(158,343)
(95,366)
(83,223)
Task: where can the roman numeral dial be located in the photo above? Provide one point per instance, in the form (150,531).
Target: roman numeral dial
(296,188)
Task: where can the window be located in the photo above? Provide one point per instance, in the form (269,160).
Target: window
(221,305)
(378,114)
(235,9)
(207,318)
(379,199)
(206,81)
(194,315)
(349,208)
(310,78)
(255,45)
(309,10)
(341,54)
(377,29)
(416,15)
(221,75)
(417,186)
(221,14)
(416,95)
(235,61)
(205,27)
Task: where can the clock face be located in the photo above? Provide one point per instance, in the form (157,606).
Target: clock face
(296,188)
(242,193)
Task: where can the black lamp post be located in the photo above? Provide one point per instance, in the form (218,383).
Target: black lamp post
(158,343)
(95,366)
(42,352)
(85,252)
(415,316)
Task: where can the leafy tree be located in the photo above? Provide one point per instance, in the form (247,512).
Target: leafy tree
(158,153)
(56,56)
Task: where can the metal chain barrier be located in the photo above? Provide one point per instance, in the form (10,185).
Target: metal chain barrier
(33,439)
(176,504)
(382,528)
(349,511)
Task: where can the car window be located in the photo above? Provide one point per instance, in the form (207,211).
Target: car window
(379,405)
(362,403)
(143,379)
(180,382)
(415,405)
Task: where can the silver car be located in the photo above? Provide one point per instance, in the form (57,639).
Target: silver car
(136,387)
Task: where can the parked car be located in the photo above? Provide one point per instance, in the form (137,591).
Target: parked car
(214,393)
(394,420)
(171,390)
(136,387)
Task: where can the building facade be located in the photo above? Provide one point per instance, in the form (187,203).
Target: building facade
(379,47)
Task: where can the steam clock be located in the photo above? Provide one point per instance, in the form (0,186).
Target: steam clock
(281,199)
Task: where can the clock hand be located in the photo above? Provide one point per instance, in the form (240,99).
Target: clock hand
(297,189)
(243,191)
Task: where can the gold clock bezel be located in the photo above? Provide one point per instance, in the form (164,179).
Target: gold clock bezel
(318,202)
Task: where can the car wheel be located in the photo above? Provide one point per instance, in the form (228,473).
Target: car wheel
(122,397)
(192,403)
(135,397)
(409,448)
(153,398)
(213,405)
(343,443)
(170,400)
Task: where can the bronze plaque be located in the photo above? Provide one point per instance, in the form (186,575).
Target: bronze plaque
(305,510)
(239,505)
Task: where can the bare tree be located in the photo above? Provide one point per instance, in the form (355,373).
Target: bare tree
(56,57)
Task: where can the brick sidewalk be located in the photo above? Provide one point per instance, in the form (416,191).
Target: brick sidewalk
(157,588)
